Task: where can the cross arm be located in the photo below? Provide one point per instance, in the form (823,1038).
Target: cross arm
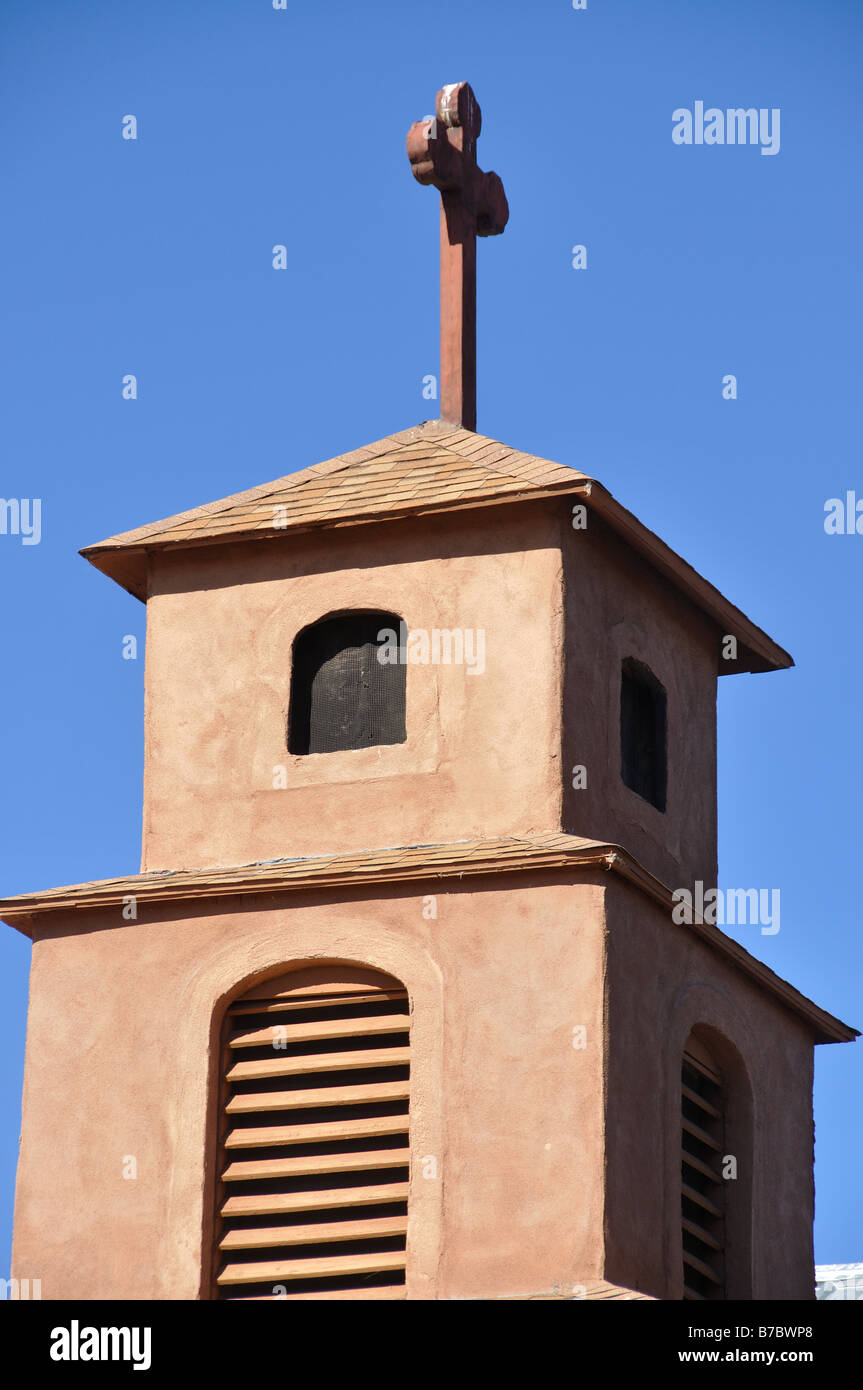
(442,152)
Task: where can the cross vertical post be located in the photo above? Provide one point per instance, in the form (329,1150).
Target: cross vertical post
(442,152)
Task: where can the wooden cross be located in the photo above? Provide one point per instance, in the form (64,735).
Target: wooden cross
(442,151)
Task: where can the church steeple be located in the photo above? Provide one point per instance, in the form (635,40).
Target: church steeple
(421,1019)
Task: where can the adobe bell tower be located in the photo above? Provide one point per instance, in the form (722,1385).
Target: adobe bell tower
(399,1004)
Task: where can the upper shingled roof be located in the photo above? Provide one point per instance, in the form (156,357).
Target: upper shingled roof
(433,467)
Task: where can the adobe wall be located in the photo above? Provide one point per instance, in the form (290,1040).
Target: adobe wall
(482,756)
(662,982)
(122,1060)
(616,607)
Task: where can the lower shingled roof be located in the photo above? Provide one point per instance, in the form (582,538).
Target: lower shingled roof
(553,851)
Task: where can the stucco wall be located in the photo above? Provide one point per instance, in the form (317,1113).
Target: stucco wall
(121,1061)
(486,754)
(539,1188)
(482,755)
(662,982)
(618,607)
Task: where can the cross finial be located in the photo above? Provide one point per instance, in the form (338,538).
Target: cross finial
(442,151)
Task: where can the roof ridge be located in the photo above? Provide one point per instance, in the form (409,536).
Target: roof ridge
(407,439)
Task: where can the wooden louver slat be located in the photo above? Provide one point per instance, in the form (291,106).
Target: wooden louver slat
(314,1146)
(262,1068)
(700,1200)
(275,1203)
(701,1233)
(268,1270)
(373,1291)
(304,1100)
(289,1033)
(310,1133)
(702,1197)
(313,1163)
(308,1002)
(699,1101)
(701,1267)
(259,1237)
(701,1135)
(699,1166)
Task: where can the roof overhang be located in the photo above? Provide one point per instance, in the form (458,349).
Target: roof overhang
(464,859)
(128,565)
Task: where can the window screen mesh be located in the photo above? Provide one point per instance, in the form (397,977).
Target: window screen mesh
(342,696)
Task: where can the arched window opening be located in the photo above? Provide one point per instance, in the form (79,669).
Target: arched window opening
(314,1139)
(643,759)
(702,1185)
(342,695)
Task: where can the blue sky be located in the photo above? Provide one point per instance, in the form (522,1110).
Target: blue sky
(258,127)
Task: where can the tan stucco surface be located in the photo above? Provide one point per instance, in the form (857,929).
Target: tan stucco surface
(487,754)
(482,755)
(663,983)
(121,1061)
(617,607)
(539,1168)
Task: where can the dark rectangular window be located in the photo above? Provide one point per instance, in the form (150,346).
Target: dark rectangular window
(642,733)
(342,695)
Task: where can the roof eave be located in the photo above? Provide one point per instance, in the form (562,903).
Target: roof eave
(756,651)
(127,565)
(460,860)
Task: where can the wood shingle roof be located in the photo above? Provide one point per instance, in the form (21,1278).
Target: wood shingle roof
(431,466)
(552,852)
(434,467)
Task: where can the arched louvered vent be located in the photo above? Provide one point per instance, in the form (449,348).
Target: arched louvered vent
(314,1145)
(702,1187)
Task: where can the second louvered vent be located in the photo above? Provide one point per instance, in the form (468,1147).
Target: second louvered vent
(702,1186)
(315,1144)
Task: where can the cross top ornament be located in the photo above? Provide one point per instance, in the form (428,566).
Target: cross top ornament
(442,152)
